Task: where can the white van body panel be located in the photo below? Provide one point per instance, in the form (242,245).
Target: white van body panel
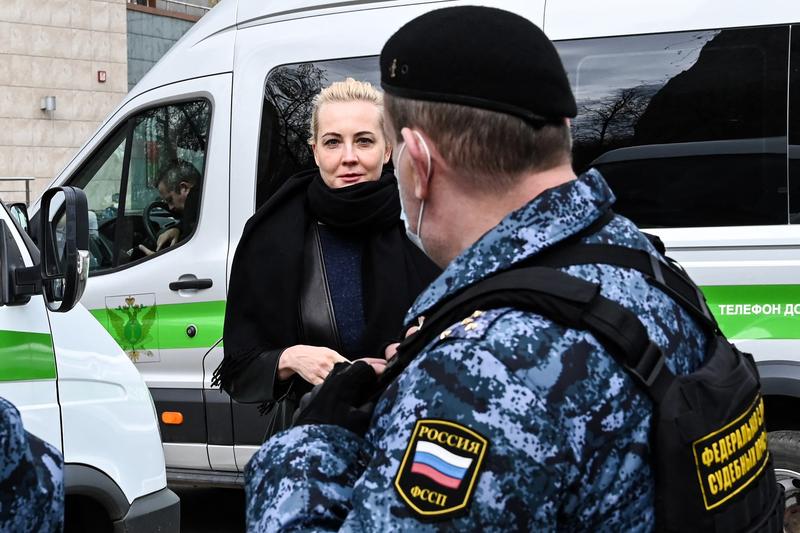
(108,417)
(202,256)
(252,13)
(96,409)
(183,455)
(36,399)
(743,255)
(243,454)
(771,350)
(749,255)
(579,19)
(37,402)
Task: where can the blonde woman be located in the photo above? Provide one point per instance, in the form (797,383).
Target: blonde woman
(324,272)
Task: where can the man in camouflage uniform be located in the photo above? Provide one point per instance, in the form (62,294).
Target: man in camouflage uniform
(507,421)
(31,478)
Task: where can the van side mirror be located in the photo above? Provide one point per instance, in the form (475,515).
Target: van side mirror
(19,211)
(64,247)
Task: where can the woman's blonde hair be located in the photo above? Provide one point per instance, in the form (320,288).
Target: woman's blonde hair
(348,90)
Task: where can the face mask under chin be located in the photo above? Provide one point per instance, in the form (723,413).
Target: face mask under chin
(414,237)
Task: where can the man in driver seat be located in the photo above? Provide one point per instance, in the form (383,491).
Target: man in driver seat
(178,185)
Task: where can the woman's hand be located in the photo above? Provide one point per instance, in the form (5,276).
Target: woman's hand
(391,350)
(377,364)
(313,363)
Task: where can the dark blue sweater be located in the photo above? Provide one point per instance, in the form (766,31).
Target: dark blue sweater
(342,254)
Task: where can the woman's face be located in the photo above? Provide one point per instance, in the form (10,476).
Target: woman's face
(349,147)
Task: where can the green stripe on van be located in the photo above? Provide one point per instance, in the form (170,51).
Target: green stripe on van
(207,317)
(26,356)
(756,311)
(166,328)
(743,312)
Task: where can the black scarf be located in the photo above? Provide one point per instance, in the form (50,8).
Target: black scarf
(265,282)
(364,208)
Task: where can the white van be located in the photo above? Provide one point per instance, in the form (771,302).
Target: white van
(72,384)
(690,109)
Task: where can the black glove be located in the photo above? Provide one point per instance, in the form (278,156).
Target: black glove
(340,399)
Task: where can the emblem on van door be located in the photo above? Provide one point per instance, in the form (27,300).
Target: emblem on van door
(131,323)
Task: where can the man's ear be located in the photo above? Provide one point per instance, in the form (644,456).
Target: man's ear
(420,160)
(184,187)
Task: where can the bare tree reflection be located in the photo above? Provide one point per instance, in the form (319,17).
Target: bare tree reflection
(612,117)
(284,148)
(608,123)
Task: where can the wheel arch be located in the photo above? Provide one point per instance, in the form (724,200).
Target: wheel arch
(88,481)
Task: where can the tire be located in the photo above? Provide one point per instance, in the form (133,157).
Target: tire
(785,449)
(83,514)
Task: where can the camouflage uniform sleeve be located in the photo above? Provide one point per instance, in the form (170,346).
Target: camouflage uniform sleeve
(31,478)
(302,479)
(325,478)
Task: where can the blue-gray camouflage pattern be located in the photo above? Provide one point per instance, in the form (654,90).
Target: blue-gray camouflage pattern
(568,428)
(31,478)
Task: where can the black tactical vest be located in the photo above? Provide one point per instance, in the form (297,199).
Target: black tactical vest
(713,471)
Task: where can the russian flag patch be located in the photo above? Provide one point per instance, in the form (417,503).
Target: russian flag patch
(440,468)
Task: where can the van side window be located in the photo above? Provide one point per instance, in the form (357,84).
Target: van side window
(145,183)
(283,148)
(688,128)
(794,128)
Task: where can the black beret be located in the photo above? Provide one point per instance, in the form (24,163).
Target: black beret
(480,57)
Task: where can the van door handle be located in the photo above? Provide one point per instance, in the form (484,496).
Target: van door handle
(191,284)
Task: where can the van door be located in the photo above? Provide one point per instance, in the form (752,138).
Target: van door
(160,173)
(27,359)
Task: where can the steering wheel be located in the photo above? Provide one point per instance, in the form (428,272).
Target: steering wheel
(146,218)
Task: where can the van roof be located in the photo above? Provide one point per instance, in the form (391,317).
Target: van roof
(208,47)
(258,11)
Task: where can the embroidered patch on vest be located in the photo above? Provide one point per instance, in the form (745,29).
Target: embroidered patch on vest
(440,468)
(732,457)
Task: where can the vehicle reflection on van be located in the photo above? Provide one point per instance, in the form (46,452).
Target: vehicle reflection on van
(694,184)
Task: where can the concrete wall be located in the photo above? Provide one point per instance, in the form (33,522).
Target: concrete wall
(56,48)
(150,36)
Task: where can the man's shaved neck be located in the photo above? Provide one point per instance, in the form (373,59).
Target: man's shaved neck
(478,213)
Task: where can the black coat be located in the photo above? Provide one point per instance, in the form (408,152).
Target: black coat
(269,274)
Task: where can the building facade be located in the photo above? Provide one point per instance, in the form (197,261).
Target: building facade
(74,51)
(152,30)
(64,66)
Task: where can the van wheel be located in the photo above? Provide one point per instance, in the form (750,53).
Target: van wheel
(82,514)
(785,449)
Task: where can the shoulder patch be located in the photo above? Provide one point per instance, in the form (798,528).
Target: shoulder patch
(472,327)
(440,468)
